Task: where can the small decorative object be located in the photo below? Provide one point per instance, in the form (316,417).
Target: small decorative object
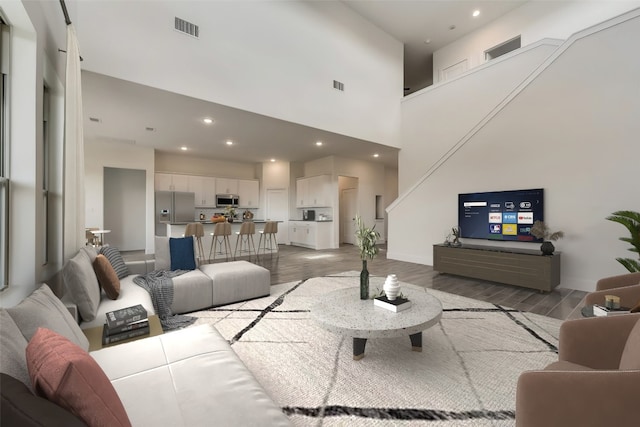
(612,301)
(367,239)
(247,214)
(631,220)
(455,233)
(391,287)
(541,231)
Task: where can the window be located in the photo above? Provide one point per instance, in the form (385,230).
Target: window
(4,160)
(45,175)
(503,48)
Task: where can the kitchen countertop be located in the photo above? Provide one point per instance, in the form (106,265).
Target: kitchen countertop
(236,221)
(312,220)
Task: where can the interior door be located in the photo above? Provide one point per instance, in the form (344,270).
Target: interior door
(348,211)
(278,210)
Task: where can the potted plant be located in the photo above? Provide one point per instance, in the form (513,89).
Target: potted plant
(541,231)
(631,220)
(230,213)
(367,239)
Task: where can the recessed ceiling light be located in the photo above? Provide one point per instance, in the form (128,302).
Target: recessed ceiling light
(150,129)
(319,143)
(476,13)
(207,120)
(229,142)
(427,41)
(183,148)
(376,155)
(273,160)
(452,27)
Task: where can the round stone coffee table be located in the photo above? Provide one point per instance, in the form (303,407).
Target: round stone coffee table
(344,313)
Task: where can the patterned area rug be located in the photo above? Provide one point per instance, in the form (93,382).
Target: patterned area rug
(465,376)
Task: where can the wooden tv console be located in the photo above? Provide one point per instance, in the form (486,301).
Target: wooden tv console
(526,268)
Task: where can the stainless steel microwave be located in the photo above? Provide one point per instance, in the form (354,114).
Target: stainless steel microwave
(224,200)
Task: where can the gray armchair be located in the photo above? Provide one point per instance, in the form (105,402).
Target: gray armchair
(595,382)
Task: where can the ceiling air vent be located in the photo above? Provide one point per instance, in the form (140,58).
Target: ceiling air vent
(338,85)
(187,27)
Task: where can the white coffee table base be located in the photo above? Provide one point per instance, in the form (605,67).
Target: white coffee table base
(344,313)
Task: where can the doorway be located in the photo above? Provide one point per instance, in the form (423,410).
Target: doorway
(125,208)
(278,210)
(348,207)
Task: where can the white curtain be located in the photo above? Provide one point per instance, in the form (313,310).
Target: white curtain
(74,210)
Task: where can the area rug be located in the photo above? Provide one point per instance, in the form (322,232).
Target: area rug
(465,376)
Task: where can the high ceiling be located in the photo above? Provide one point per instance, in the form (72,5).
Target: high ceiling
(118,111)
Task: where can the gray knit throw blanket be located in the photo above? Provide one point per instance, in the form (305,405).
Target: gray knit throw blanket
(160,286)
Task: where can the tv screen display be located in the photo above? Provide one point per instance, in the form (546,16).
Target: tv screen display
(500,215)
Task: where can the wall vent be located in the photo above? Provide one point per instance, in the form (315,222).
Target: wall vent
(338,85)
(187,28)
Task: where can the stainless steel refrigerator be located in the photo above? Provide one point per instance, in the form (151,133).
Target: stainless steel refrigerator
(173,207)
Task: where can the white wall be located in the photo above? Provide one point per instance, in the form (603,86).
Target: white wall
(270,57)
(573,131)
(34,60)
(98,155)
(433,133)
(533,21)
(189,165)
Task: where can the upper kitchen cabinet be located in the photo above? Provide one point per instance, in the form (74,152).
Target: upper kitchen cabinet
(226,186)
(204,188)
(249,192)
(314,191)
(171,182)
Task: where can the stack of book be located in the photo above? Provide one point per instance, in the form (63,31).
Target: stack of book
(600,310)
(396,305)
(124,324)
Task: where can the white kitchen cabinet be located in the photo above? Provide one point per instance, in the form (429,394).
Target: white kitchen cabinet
(226,186)
(204,188)
(313,191)
(171,182)
(311,234)
(249,192)
(299,234)
(302,192)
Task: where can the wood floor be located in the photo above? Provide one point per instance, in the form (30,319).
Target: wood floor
(295,263)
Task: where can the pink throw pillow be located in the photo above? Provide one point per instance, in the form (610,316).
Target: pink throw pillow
(67,375)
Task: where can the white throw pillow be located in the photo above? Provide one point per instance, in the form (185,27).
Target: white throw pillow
(163,255)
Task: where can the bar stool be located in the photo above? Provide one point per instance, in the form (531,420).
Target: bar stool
(269,234)
(196,230)
(220,238)
(245,239)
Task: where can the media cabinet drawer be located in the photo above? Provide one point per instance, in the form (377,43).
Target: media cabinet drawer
(528,269)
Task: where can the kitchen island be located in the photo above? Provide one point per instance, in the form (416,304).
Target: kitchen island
(176,229)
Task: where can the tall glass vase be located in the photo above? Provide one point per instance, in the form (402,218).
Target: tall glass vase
(364,281)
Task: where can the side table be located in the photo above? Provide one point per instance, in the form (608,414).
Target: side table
(94,335)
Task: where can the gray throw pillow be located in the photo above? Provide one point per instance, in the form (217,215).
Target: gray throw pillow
(42,309)
(163,255)
(82,284)
(13,359)
(115,259)
(91,252)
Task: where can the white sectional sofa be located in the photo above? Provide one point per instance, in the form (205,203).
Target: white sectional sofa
(207,286)
(189,377)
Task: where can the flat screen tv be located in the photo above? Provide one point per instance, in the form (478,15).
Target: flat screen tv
(500,215)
